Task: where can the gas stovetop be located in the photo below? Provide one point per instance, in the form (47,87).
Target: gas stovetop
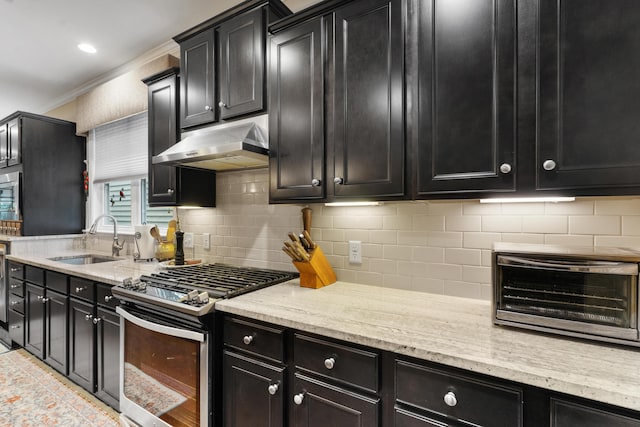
(194,289)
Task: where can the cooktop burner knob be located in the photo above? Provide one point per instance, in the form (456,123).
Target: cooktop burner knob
(127,283)
(202,298)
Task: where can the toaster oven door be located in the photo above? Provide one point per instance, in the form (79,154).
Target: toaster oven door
(583,296)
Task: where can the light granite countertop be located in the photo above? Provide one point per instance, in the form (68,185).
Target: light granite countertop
(449,330)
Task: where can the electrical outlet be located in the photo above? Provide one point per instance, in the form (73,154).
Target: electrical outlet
(206,240)
(188,240)
(355,252)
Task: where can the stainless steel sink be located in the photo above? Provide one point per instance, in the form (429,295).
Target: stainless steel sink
(84,259)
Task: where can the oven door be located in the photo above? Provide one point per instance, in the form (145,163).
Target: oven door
(163,371)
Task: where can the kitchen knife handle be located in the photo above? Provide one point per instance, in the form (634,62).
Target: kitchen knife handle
(306,219)
(307,236)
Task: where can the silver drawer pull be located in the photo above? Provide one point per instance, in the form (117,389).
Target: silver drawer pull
(78,290)
(96,320)
(108,298)
(15,286)
(88,317)
(450,399)
(247,339)
(298,398)
(273,389)
(329,363)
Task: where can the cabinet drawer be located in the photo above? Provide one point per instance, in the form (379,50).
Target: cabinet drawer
(468,399)
(16,327)
(263,340)
(346,364)
(83,289)
(16,270)
(57,281)
(16,303)
(568,414)
(34,275)
(104,296)
(16,286)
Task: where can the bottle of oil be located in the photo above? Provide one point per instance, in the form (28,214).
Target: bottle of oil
(179,248)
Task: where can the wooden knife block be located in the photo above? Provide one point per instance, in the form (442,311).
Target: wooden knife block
(317,272)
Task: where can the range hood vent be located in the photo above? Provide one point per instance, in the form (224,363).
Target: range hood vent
(219,148)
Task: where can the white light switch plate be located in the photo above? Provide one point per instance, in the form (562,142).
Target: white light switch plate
(188,240)
(206,240)
(355,252)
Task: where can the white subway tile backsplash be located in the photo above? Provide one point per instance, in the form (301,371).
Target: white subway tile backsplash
(430,246)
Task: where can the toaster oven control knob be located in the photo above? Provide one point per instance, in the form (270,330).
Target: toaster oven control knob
(273,389)
(450,399)
(549,165)
(329,363)
(247,339)
(298,398)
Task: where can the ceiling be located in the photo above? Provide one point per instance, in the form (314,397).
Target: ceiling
(41,68)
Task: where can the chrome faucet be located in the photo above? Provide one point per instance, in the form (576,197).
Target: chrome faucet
(116,246)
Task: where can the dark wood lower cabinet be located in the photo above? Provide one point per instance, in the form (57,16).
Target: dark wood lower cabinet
(402,418)
(56,306)
(81,344)
(253,392)
(34,322)
(320,404)
(570,414)
(108,356)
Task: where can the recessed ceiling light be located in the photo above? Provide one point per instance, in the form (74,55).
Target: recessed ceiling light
(86,47)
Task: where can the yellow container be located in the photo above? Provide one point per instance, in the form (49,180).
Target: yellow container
(317,272)
(165,251)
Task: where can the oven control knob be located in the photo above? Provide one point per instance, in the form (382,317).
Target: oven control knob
(192,295)
(142,286)
(127,283)
(247,339)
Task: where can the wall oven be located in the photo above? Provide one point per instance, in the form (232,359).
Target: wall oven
(582,292)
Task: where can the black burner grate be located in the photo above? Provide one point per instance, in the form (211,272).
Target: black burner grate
(219,280)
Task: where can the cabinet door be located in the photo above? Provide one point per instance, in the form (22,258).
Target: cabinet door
(13,147)
(4,145)
(108,356)
(253,392)
(242,64)
(81,344)
(163,133)
(16,327)
(318,404)
(467,101)
(368,133)
(197,82)
(35,320)
(588,94)
(296,114)
(569,414)
(57,316)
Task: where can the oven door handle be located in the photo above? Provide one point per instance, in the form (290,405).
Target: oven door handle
(588,266)
(163,329)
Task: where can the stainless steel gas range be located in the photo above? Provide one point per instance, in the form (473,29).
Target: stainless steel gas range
(169,339)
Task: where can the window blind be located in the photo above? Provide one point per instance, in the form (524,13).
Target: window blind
(120,149)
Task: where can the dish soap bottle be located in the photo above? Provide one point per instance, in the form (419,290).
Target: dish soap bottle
(179,260)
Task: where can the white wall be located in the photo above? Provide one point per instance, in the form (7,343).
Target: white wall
(440,247)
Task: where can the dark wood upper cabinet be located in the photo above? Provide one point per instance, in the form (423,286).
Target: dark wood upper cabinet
(297,153)
(14,151)
(198,90)
(588,96)
(242,64)
(466,68)
(368,100)
(170,185)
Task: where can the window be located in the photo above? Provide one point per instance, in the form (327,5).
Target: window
(117,154)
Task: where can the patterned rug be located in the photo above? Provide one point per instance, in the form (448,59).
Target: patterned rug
(34,395)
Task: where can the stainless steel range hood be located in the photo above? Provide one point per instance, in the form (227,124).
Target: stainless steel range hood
(219,148)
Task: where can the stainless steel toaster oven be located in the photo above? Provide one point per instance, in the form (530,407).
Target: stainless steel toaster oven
(582,292)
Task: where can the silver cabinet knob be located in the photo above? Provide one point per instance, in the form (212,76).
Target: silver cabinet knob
(329,363)
(273,389)
(45,300)
(450,399)
(108,298)
(170,190)
(96,320)
(549,165)
(14,269)
(14,303)
(78,290)
(221,104)
(315,182)
(88,317)
(505,168)
(39,297)
(247,339)
(207,107)
(338,180)
(298,398)
(14,286)
(15,326)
